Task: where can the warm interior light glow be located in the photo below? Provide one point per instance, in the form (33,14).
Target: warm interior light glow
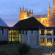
(49,44)
(25,17)
(5,29)
(13,34)
(43,21)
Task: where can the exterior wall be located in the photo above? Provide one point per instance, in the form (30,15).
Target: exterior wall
(31,39)
(34,39)
(20,37)
(4,36)
(24,37)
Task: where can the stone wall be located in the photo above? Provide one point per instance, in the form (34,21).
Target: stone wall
(32,39)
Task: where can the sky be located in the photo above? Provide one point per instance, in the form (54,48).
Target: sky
(9,9)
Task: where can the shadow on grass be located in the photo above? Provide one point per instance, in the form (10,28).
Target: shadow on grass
(18,49)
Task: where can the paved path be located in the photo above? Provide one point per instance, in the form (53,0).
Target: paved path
(49,50)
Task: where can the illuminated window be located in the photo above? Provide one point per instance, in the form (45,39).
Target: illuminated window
(13,35)
(42,32)
(42,41)
(49,32)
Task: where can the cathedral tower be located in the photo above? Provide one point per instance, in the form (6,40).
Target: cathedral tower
(24,14)
(49,11)
(53,4)
(53,11)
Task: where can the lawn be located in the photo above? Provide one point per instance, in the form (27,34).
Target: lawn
(12,49)
(35,51)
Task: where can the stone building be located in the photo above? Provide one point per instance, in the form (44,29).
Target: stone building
(33,33)
(45,19)
(29,31)
(38,29)
(24,14)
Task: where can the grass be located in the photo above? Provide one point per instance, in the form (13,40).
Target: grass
(35,51)
(12,49)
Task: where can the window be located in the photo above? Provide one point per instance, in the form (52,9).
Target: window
(13,36)
(49,32)
(42,32)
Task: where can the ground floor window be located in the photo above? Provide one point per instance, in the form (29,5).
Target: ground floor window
(46,41)
(49,41)
(13,35)
(42,41)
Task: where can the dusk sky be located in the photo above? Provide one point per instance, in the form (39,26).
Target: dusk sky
(9,9)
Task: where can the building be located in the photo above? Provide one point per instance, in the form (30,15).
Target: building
(24,14)
(32,30)
(29,31)
(45,19)
(3,31)
(33,33)
(37,30)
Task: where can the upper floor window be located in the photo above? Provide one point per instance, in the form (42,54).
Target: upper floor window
(49,32)
(42,32)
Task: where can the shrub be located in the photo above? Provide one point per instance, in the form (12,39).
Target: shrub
(23,49)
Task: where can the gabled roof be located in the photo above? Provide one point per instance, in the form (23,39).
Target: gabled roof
(2,23)
(30,23)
